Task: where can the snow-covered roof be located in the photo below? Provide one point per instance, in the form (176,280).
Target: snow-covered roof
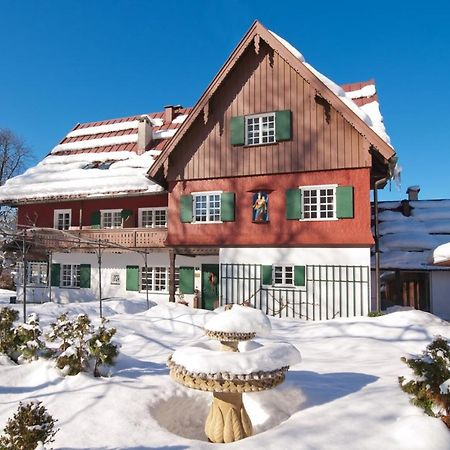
(361,98)
(96,159)
(412,242)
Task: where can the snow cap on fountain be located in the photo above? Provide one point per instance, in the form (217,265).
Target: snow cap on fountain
(240,319)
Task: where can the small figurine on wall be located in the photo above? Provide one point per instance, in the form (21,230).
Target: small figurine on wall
(260,207)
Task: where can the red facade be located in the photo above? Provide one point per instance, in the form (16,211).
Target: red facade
(278,231)
(41,214)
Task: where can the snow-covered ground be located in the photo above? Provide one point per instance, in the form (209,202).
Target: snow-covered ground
(343,395)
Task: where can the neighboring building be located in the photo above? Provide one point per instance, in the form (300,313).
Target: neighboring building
(272,172)
(265,188)
(414,259)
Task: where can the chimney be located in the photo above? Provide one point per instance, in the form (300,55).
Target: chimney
(144,134)
(168,114)
(413,192)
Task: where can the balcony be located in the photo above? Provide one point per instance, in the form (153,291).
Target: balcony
(88,237)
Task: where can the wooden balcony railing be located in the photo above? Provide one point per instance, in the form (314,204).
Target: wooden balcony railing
(124,237)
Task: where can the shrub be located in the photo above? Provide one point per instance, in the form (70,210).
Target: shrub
(376,313)
(28,340)
(102,350)
(7,338)
(81,345)
(430,386)
(30,426)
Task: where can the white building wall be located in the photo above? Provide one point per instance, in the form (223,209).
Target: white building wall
(337,281)
(113,263)
(440,298)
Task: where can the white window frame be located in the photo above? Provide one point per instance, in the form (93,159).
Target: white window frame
(57,213)
(195,195)
(74,276)
(261,130)
(112,211)
(42,269)
(283,275)
(153,225)
(317,188)
(152,271)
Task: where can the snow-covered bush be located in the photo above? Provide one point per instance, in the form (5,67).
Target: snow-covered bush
(430,385)
(82,347)
(7,338)
(101,348)
(30,426)
(28,341)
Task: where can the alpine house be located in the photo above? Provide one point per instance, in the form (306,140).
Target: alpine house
(265,187)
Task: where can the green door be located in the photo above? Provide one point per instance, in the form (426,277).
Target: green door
(210,286)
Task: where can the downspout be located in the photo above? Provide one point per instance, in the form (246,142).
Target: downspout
(377,242)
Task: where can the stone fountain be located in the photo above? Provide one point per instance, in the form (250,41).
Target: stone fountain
(232,364)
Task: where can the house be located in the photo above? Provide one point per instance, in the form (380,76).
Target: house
(264,185)
(271,172)
(414,259)
(93,214)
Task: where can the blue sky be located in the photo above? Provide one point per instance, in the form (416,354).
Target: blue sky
(67,62)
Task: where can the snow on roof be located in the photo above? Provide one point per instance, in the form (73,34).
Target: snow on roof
(368,111)
(441,254)
(74,169)
(413,242)
(65,176)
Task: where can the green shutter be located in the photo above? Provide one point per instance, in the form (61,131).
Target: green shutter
(125,213)
(344,202)
(293,204)
(132,283)
(186,208)
(55,275)
(95,219)
(238,130)
(187,280)
(299,275)
(283,127)
(266,274)
(85,275)
(227,206)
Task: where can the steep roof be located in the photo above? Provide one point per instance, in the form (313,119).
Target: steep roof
(96,159)
(334,94)
(410,242)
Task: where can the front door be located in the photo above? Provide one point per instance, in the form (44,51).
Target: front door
(210,286)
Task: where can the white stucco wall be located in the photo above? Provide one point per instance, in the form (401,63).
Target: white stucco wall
(113,262)
(440,293)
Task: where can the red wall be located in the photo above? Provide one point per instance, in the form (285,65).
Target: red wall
(42,213)
(279,231)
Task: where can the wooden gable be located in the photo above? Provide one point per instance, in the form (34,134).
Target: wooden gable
(263,76)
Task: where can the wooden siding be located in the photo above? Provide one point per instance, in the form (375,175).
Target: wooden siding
(264,82)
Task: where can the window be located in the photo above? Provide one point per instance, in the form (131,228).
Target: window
(207,207)
(36,273)
(260,129)
(62,219)
(111,218)
(153,217)
(115,278)
(283,275)
(318,202)
(156,279)
(70,275)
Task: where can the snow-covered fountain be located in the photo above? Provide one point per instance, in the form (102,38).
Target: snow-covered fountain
(230,365)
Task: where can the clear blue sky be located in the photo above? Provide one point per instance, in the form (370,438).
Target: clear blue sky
(66,62)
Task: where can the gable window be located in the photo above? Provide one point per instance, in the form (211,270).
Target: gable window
(260,129)
(70,275)
(318,202)
(62,219)
(155,279)
(207,207)
(111,218)
(153,217)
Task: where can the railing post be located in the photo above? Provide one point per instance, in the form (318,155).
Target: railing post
(171,275)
